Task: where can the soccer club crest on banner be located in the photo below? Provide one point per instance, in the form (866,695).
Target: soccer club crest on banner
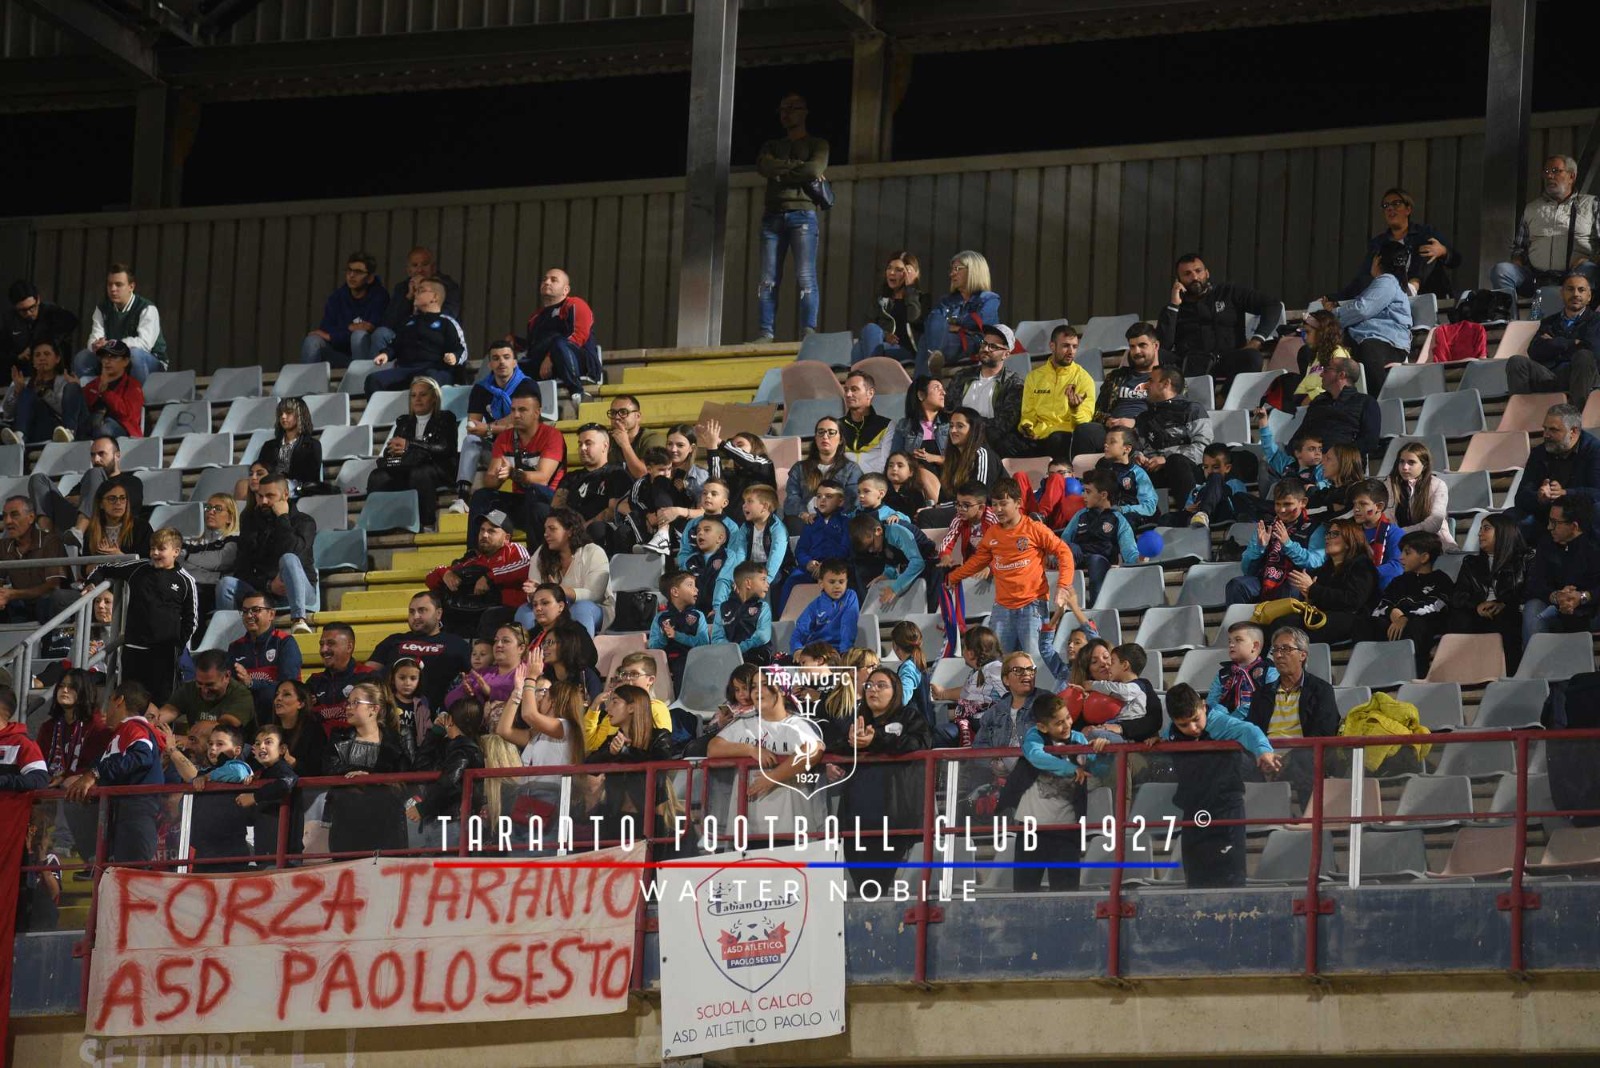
(750,939)
(797,737)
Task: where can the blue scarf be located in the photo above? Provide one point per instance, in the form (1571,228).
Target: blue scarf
(500,399)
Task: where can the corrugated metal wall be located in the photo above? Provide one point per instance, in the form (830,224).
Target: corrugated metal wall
(25,36)
(1072,234)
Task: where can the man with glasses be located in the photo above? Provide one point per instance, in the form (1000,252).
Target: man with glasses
(1432,257)
(214,693)
(105,472)
(1557,233)
(789,164)
(635,669)
(865,435)
(1295,705)
(349,316)
(265,655)
(1568,465)
(992,390)
(560,340)
(275,544)
(628,437)
(1564,576)
(30,318)
(1004,722)
(330,688)
(31,594)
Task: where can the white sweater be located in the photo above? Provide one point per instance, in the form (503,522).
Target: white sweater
(589,578)
(1438,511)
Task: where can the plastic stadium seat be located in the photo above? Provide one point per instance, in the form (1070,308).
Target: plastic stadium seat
(1380,664)
(947,671)
(1229,426)
(60,458)
(1511,704)
(1437,448)
(328,409)
(1286,857)
(340,550)
(12,458)
(1424,312)
(1488,377)
(1391,417)
(1469,541)
(705,676)
(1034,334)
(1202,389)
(142,454)
(1481,851)
(932,627)
(782,631)
(1083,463)
(799,597)
(164,487)
(1092,361)
(1129,588)
(1138,854)
(1557,656)
(204,450)
(831,349)
(1170,629)
(355,376)
(979,596)
(455,400)
(1496,451)
(783,451)
(888,377)
(1526,411)
(1286,355)
(1469,490)
(353,475)
(800,417)
(345,443)
(1019,364)
(1337,795)
(1388,854)
(1438,703)
(299,379)
(1348,697)
(1267,801)
(177,419)
(889,405)
(913,600)
(771,389)
(810,381)
(385,406)
(1413,381)
(1252,321)
(215,480)
(549,403)
(331,511)
(187,519)
(1319,661)
(1102,803)
(1436,795)
(1107,332)
(1480,761)
(611,648)
(1206,584)
(1285,425)
(636,571)
(1199,667)
(252,447)
(1515,338)
(223,630)
(1246,390)
(391,510)
(1539,800)
(1451,414)
(162,387)
(1570,847)
(1035,467)
(233,383)
(250,414)
(1155,801)
(1183,543)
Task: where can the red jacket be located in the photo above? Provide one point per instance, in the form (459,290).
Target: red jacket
(572,319)
(124,402)
(508,570)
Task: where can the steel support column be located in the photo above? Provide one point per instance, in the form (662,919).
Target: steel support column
(150,148)
(705,207)
(871,106)
(1505,128)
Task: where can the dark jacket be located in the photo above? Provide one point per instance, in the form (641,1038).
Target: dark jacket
(164,603)
(1565,337)
(1174,427)
(1351,418)
(1476,581)
(301,460)
(892,790)
(1349,589)
(437,446)
(902,316)
(17,335)
(1556,567)
(1215,322)
(1319,712)
(400,307)
(423,340)
(1433,277)
(342,308)
(1122,394)
(264,538)
(1003,434)
(1577,470)
(443,798)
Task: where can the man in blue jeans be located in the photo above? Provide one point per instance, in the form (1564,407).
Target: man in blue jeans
(1557,233)
(275,556)
(790,220)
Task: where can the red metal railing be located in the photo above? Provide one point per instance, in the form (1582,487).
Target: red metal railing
(1114,908)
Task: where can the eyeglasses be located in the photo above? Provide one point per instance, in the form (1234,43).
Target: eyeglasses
(633,674)
(879,685)
(119,498)
(828,432)
(616,412)
(1284,650)
(995,346)
(1555,521)
(254,610)
(24,309)
(359,701)
(1393,205)
(216,508)
(1551,172)
(1024,671)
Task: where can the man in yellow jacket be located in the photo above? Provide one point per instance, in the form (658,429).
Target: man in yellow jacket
(1058,404)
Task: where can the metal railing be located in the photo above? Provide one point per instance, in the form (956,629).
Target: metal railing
(928,906)
(22,657)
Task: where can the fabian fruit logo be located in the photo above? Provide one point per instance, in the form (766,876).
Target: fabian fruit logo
(750,941)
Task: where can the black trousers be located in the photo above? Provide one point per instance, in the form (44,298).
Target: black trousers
(1178,476)
(1222,366)
(1065,444)
(1214,856)
(1376,356)
(1055,847)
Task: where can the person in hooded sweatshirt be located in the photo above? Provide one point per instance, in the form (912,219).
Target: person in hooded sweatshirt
(462,723)
(22,764)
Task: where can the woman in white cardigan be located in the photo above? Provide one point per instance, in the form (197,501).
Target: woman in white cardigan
(579,566)
(1418,499)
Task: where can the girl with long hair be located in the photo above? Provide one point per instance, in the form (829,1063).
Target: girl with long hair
(1492,585)
(923,433)
(968,457)
(363,819)
(1419,499)
(1345,468)
(1324,343)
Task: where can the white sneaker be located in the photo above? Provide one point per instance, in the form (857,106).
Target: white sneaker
(300,626)
(61,433)
(458,507)
(11,437)
(660,542)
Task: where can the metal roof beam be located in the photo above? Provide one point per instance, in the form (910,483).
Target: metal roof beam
(108,35)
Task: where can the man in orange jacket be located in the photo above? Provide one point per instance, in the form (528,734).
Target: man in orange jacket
(1014,549)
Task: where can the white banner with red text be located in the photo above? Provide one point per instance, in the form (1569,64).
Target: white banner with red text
(752,951)
(364,944)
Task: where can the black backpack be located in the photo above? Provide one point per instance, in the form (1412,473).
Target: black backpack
(1484,306)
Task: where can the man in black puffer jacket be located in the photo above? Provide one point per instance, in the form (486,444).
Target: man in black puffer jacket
(1204,327)
(1173,432)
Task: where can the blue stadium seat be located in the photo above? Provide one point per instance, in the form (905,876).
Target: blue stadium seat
(162,387)
(390,510)
(301,379)
(340,550)
(233,383)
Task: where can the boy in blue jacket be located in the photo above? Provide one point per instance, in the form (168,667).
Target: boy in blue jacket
(762,536)
(826,536)
(1133,493)
(1216,498)
(1245,672)
(1210,782)
(1099,536)
(831,616)
(680,626)
(1303,460)
(745,619)
(887,559)
(1293,542)
(1367,501)
(712,565)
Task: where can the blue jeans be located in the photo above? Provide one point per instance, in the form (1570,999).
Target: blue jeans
(566,363)
(1521,280)
(302,592)
(1018,628)
(870,343)
(37,421)
(395,376)
(315,350)
(937,337)
(86,364)
(781,231)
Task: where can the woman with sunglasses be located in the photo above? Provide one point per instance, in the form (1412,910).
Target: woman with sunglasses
(213,554)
